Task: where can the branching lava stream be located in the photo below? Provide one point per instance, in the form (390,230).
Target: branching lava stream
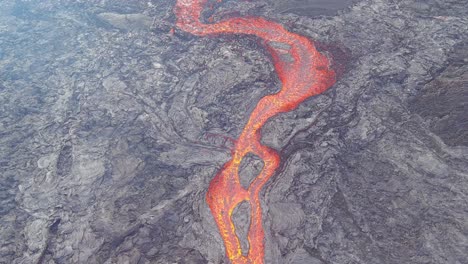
(303,71)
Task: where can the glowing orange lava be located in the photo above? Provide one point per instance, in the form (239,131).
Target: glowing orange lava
(303,71)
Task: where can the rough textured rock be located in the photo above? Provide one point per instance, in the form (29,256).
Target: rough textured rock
(127,21)
(111,128)
(443,101)
(310,7)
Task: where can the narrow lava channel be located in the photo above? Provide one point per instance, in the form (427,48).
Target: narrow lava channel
(303,71)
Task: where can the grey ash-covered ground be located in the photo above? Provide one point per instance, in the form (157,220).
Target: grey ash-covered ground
(111,128)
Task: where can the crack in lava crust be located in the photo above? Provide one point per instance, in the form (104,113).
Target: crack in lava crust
(303,71)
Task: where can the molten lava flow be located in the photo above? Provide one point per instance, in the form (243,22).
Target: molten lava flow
(303,71)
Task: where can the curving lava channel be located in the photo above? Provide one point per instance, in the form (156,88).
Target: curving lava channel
(303,71)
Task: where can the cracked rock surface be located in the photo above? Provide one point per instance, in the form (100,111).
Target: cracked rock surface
(112,126)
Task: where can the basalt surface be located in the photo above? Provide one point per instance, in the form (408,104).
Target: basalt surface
(113,122)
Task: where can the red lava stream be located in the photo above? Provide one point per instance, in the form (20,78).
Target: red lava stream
(303,71)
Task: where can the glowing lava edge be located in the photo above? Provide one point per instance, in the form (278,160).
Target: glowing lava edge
(303,71)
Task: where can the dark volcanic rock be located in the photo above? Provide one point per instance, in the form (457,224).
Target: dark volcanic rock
(310,7)
(443,102)
(112,126)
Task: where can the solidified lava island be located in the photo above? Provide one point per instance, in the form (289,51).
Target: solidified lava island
(303,71)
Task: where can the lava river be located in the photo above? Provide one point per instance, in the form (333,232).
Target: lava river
(303,72)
